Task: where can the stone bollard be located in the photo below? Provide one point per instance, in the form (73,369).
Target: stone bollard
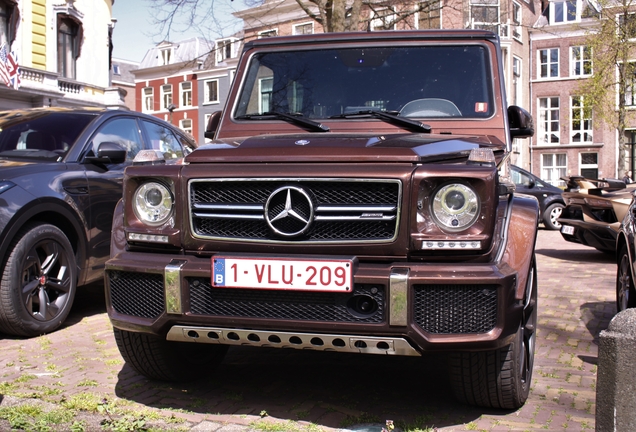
(616,376)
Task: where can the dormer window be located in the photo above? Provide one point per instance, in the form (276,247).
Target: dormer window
(165,56)
(225,49)
(564,11)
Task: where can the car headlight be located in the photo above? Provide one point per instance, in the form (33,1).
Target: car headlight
(455,207)
(153,203)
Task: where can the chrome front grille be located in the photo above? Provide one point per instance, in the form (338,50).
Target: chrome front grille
(324,210)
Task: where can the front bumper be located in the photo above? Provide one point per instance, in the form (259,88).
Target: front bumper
(414,307)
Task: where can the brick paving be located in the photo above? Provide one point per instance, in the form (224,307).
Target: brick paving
(79,366)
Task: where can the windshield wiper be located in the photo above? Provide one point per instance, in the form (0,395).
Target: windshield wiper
(290,118)
(403,122)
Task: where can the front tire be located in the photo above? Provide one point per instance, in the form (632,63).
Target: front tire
(38,283)
(159,359)
(500,378)
(552,213)
(625,293)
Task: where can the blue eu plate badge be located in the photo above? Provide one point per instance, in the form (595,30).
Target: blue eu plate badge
(219,271)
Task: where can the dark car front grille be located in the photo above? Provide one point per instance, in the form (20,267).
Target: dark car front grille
(285,305)
(452,309)
(137,294)
(343,209)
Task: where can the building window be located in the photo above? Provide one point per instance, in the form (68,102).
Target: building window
(630,91)
(549,63)
(166,96)
(516,80)
(484,15)
(305,28)
(186,125)
(580,61)
(383,19)
(549,121)
(268,33)
(185,88)
(7,23)
(516,20)
(581,127)
(67,46)
(563,11)
(554,166)
(265,94)
(429,15)
(225,49)
(211,91)
(148,99)
(116,70)
(627,25)
(589,165)
(165,56)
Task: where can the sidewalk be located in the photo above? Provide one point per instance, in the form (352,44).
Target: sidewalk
(77,375)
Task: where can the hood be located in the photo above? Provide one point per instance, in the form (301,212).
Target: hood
(328,147)
(12,168)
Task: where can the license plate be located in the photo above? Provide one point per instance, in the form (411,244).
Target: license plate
(566,229)
(335,275)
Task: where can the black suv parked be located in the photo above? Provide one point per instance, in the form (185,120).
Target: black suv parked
(61,176)
(550,201)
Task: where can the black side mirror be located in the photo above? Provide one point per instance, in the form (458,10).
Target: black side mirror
(531,184)
(213,125)
(109,153)
(520,122)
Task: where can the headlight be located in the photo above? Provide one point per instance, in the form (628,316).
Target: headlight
(153,203)
(455,207)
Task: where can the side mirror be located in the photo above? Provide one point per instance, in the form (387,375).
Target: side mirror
(531,184)
(213,125)
(520,122)
(109,153)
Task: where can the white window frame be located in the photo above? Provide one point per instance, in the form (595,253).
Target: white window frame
(185,95)
(261,100)
(517,21)
(564,17)
(517,65)
(183,125)
(619,18)
(165,56)
(222,45)
(486,25)
(630,90)
(434,6)
(206,119)
(586,124)
(268,33)
(549,63)
(148,99)
(166,96)
(583,166)
(580,60)
(206,92)
(558,167)
(547,121)
(295,28)
(383,22)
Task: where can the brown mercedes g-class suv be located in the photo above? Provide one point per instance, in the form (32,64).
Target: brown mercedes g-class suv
(355,198)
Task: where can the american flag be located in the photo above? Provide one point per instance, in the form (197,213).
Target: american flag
(4,72)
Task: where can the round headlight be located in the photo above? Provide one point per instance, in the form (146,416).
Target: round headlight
(153,203)
(455,207)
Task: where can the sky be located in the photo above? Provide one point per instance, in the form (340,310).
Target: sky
(135,31)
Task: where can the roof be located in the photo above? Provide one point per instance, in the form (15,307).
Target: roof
(187,50)
(121,71)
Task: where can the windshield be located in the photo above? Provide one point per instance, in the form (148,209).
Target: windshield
(411,81)
(41,135)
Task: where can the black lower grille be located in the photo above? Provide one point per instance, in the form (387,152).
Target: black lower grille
(137,294)
(452,309)
(287,305)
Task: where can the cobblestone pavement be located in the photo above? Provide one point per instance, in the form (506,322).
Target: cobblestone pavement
(79,369)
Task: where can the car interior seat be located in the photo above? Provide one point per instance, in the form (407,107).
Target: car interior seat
(40,141)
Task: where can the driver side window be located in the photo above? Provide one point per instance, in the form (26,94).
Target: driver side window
(122,131)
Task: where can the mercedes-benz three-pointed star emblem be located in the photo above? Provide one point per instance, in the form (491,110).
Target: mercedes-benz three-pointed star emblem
(289,211)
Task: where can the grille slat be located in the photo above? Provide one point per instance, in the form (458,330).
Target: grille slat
(137,294)
(363,210)
(284,305)
(453,309)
